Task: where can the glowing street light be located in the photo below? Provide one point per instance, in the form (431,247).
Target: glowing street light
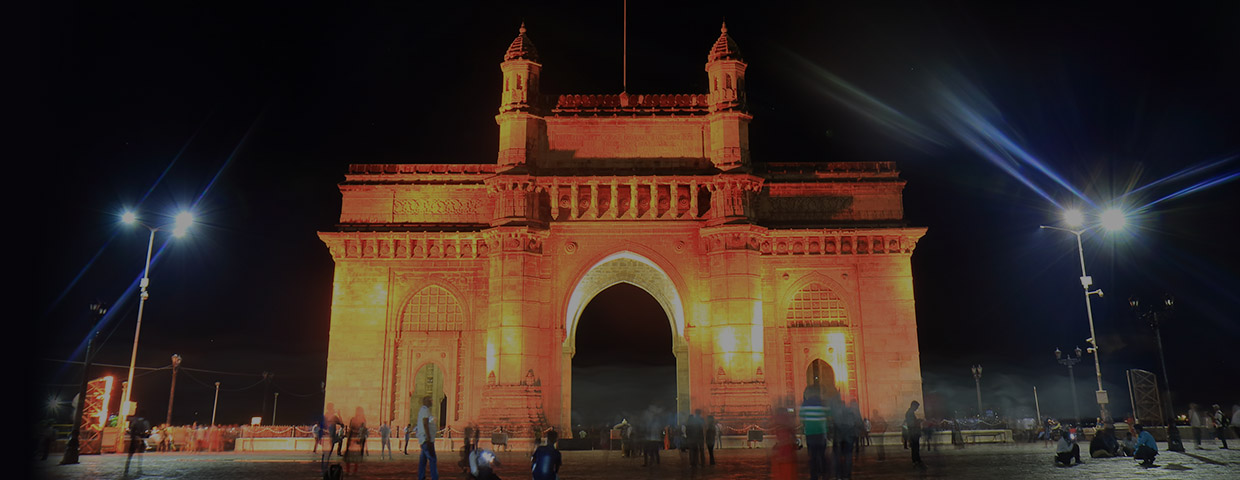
(179,227)
(1113,219)
(1073,217)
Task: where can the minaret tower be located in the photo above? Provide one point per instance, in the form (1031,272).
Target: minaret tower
(519,127)
(729,117)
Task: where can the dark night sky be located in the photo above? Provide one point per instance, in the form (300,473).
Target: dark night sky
(1111,96)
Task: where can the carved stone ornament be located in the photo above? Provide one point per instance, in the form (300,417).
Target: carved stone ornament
(570,247)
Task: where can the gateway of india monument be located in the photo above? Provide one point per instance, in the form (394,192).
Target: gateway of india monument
(465,282)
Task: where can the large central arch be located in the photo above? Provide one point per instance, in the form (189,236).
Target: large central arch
(641,272)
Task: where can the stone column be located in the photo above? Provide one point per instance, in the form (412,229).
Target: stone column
(737,382)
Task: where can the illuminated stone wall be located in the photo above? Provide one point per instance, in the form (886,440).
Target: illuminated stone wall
(483,269)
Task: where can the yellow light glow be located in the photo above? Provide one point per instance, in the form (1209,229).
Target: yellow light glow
(492,357)
(103,400)
(837,355)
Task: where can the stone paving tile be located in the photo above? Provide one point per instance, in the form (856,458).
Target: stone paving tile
(1007,461)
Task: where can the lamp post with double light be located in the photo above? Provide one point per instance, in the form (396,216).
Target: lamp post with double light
(73,448)
(1112,219)
(977,382)
(1070,362)
(1174,443)
(178,228)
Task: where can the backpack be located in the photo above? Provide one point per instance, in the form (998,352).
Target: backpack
(334,472)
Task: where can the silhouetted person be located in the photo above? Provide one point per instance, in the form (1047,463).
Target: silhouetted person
(139,429)
(712,433)
(426,438)
(1104,444)
(408,432)
(847,423)
(385,440)
(1147,449)
(695,435)
(814,421)
(546,461)
(318,434)
(914,431)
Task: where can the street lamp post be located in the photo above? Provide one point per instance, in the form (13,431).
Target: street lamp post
(1069,362)
(179,227)
(1112,219)
(1174,443)
(176,365)
(274,406)
(977,381)
(216,403)
(73,448)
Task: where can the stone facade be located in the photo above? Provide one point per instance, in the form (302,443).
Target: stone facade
(768,272)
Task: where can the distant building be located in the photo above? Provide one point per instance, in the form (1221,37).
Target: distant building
(465,282)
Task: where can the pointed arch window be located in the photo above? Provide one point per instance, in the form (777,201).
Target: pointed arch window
(817,306)
(433,308)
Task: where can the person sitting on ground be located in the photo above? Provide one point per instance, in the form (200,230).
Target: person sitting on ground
(1066,448)
(1147,449)
(1128,445)
(1104,444)
(546,461)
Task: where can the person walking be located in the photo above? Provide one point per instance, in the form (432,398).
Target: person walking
(1197,421)
(814,422)
(426,438)
(1221,421)
(318,435)
(385,440)
(694,436)
(914,432)
(1235,419)
(712,432)
(847,423)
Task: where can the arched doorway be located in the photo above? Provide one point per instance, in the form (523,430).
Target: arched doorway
(429,382)
(624,363)
(640,273)
(820,376)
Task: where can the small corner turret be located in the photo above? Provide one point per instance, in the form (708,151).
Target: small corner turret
(729,124)
(520,128)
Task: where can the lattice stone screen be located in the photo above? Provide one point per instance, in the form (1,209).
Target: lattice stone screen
(816,306)
(432,309)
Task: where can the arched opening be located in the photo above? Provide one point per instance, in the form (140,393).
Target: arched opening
(819,375)
(624,362)
(429,382)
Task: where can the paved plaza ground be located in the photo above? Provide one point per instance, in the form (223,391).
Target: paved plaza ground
(995,461)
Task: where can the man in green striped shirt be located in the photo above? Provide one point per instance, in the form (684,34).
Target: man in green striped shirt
(814,420)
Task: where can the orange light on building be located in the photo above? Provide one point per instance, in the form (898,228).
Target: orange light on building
(103,401)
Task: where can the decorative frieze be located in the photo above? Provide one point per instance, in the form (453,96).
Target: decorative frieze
(884,241)
(405,245)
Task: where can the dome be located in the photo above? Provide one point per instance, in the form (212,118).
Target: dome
(522,48)
(724,48)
